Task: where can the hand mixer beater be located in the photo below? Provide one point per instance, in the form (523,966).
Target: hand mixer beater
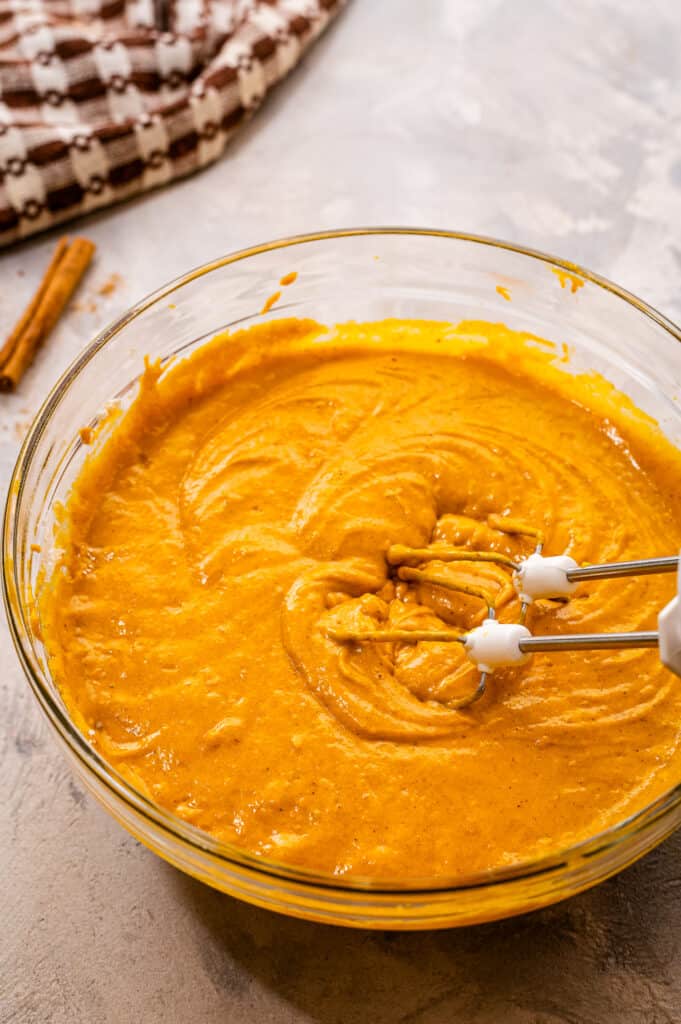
(495,644)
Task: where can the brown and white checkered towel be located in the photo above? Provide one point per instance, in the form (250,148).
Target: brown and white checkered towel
(103,99)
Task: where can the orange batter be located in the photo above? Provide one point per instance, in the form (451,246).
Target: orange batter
(243,507)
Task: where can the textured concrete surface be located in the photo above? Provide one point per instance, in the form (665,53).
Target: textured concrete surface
(544,122)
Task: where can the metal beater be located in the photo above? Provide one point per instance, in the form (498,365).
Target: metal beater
(496,644)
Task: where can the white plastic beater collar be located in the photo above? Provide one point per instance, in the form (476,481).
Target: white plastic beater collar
(669,627)
(495,644)
(544,577)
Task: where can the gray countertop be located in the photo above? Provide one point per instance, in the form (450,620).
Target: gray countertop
(548,123)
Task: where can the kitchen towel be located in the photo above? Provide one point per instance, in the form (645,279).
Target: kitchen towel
(103,99)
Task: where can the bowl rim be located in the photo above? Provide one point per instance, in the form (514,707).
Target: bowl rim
(170,824)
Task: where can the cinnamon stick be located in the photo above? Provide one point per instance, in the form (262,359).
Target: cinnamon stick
(11,343)
(67,266)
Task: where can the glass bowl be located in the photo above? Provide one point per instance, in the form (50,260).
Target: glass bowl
(363,275)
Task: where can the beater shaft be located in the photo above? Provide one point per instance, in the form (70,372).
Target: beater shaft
(588,641)
(613,570)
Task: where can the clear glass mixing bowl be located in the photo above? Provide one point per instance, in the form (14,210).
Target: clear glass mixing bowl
(363,275)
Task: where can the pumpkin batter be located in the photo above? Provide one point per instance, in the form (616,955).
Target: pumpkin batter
(243,506)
